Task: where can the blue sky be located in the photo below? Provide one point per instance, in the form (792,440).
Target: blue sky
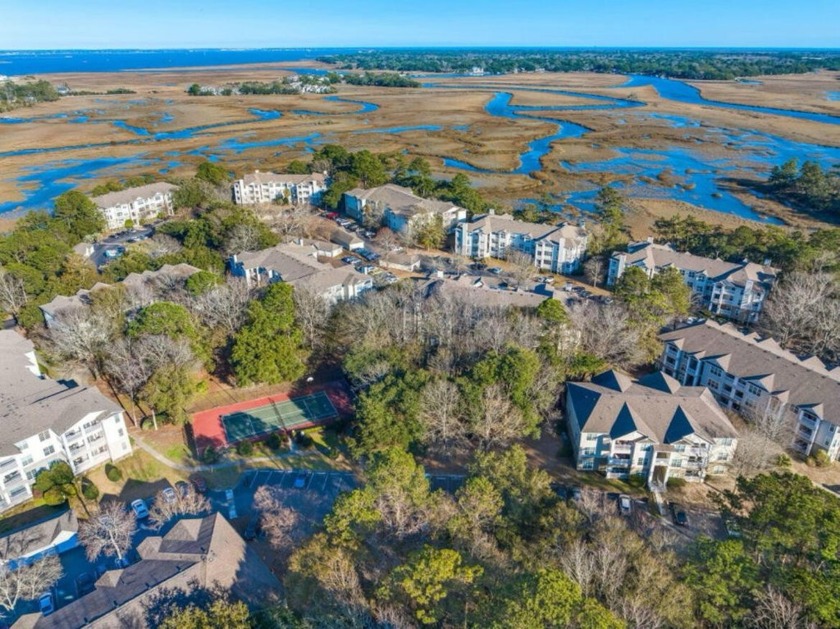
(50,24)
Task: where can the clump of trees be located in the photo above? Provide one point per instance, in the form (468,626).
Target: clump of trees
(809,186)
(14,94)
(379,79)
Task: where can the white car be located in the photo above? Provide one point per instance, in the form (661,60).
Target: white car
(168,495)
(625,505)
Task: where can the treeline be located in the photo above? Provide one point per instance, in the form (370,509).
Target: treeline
(14,94)
(380,79)
(115,185)
(720,65)
(788,250)
(808,187)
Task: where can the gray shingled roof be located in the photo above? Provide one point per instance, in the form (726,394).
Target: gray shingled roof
(655,406)
(660,256)
(805,383)
(492,223)
(30,404)
(34,537)
(473,291)
(401,200)
(206,551)
(130,195)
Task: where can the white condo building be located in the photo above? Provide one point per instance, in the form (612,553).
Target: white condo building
(46,420)
(559,249)
(653,427)
(136,204)
(755,376)
(736,291)
(261,187)
(400,209)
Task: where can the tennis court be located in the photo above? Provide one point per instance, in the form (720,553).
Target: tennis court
(288,414)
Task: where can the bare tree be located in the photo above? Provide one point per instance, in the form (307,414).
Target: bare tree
(593,270)
(578,562)
(499,421)
(109,532)
(82,335)
(278,521)
(311,312)
(773,610)
(224,306)
(607,332)
(163,244)
(521,266)
(27,582)
(803,313)
(167,507)
(128,373)
(13,296)
(293,220)
(755,453)
(243,237)
(442,422)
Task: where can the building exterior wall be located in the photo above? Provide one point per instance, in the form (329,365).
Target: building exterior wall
(267,192)
(811,432)
(140,209)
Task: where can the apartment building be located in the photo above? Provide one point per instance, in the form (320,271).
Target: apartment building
(736,291)
(136,204)
(654,427)
(756,377)
(399,209)
(299,266)
(262,187)
(48,420)
(559,249)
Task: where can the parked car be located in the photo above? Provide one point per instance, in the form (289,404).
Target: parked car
(560,490)
(140,508)
(368,255)
(495,270)
(45,604)
(366,269)
(183,488)
(350,260)
(200,484)
(625,505)
(168,495)
(576,493)
(679,514)
(85,583)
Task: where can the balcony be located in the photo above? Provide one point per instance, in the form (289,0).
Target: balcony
(8,464)
(620,461)
(805,435)
(808,422)
(621,449)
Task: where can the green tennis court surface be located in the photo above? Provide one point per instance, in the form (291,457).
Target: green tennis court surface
(285,415)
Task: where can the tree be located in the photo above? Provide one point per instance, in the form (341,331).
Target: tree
(13,297)
(28,581)
(188,502)
(521,267)
(430,233)
(440,416)
(546,598)
(202,282)
(220,614)
(78,214)
(277,521)
(82,334)
(593,270)
(311,312)
(109,532)
(224,306)
(607,332)
(430,576)
(58,483)
(268,348)
(785,175)
(214,174)
(170,390)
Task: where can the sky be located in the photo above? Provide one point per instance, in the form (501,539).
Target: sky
(95,24)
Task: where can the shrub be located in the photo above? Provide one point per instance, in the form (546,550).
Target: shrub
(637,480)
(210,455)
(147,424)
(821,458)
(245,448)
(273,441)
(89,490)
(113,473)
(304,441)
(783,460)
(676,483)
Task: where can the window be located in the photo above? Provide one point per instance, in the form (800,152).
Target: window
(27,461)
(44,435)
(49,450)
(121,432)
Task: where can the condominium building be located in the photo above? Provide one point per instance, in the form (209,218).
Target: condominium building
(732,290)
(299,266)
(559,249)
(399,209)
(136,204)
(49,420)
(261,187)
(653,427)
(757,378)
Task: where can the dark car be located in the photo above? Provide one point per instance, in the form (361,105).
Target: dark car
(183,488)
(200,484)
(85,584)
(252,531)
(560,490)
(679,514)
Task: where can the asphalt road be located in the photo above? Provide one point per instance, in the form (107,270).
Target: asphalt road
(118,240)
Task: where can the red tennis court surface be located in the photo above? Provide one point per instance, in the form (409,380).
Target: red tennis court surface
(209,430)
